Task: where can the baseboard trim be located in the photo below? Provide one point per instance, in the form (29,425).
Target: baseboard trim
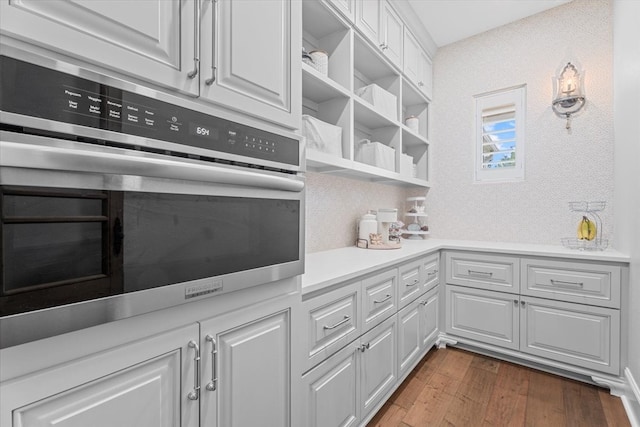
(631,401)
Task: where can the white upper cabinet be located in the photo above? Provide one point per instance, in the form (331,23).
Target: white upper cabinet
(247,52)
(411,63)
(368,19)
(425,83)
(392,34)
(150,40)
(346,7)
(234,53)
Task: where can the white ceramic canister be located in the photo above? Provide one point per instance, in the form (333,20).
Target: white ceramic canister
(367,225)
(320,61)
(412,123)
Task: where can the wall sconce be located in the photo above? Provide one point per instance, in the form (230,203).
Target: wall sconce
(569,94)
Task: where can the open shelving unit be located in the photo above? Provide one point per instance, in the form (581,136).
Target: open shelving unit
(354,62)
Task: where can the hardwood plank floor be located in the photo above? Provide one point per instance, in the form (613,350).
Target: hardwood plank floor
(453,387)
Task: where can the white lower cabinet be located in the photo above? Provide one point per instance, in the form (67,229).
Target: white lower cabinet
(230,370)
(343,389)
(245,366)
(417,330)
(581,335)
(148,383)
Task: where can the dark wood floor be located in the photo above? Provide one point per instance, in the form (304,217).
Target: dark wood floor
(452,387)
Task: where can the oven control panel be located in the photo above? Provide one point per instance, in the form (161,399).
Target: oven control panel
(36,91)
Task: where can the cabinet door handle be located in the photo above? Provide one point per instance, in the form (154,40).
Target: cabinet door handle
(386,298)
(196,42)
(212,385)
(562,283)
(420,84)
(432,273)
(479,273)
(425,302)
(415,282)
(342,322)
(195,393)
(515,302)
(210,80)
(364,347)
(384,46)
(522,303)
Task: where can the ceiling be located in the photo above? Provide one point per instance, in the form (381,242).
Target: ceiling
(448,21)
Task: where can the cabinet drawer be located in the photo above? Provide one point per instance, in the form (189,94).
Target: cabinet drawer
(495,272)
(580,282)
(332,322)
(379,298)
(581,335)
(431,268)
(410,282)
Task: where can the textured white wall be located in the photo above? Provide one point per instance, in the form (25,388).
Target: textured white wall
(559,167)
(335,204)
(627,160)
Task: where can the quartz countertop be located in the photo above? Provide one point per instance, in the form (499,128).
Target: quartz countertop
(327,268)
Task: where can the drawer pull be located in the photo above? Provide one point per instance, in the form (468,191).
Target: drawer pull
(415,282)
(432,273)
(342,322)
(480,273)
(387,298)
(563,283)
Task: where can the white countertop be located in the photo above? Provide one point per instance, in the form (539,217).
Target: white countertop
(327,268)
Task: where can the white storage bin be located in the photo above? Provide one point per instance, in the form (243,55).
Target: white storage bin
(383,102)
(322,136)
(376,154)
(406,165)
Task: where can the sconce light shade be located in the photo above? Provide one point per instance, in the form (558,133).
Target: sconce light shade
(569,94)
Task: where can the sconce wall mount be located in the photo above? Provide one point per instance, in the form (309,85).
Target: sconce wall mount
(569,93)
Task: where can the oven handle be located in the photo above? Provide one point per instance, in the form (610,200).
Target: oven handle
(64,159)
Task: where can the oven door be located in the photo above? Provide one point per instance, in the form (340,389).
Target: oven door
(79,225)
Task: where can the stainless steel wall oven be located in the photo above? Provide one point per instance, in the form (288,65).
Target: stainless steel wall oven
(116,199)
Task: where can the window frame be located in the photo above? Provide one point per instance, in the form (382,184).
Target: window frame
(493,100)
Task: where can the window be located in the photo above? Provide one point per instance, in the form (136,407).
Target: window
(500,135)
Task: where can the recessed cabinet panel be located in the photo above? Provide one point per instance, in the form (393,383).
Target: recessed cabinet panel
(586,283)
(378,364)
(331,391)
(486,316)
(409,342)
(146,39)
(411,62)
(496,272)
(581,335)
(429,315)
(368,18)
(145,395)
(392,35)
(347,7)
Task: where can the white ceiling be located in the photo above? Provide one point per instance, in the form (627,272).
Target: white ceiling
(448,21)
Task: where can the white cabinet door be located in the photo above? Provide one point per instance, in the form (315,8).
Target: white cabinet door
(150,383)
(378,367)
(429,315)
(409,336)
(392,34)
(246,373)
(581,335)
(331,392)
(485,316)
(411,57)
(247,57)
(368,19)
(153,40)
(425,82)
(346,7)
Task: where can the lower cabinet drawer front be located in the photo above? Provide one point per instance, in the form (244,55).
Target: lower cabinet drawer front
(485,316)
(571,333)
(332,322)
(410,282)
(586,283)
(379,295)
(431,269)
(494,272)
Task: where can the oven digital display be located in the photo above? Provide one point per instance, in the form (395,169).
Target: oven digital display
(36,91)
